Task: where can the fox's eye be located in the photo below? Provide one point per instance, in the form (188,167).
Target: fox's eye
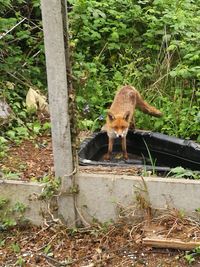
(116,128)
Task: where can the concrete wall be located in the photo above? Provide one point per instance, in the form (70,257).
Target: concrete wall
(100,196)
(26,193)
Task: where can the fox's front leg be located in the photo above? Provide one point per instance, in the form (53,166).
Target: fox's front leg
(125,154)
(132,124)
(110,148)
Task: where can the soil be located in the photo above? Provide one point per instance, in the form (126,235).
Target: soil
(117,245)
(31,160)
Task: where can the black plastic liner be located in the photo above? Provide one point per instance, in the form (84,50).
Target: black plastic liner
(152,151)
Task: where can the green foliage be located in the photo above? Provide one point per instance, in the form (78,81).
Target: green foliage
(51,188)
(15,247)
(145,43)
(180,172)
(20,261)
(11,175)
(19,207)
(11,215)
(47,251)
(152,160)
(2,242)
(3,202)
(22,65)
(153,45)
(181,115)
(191,255)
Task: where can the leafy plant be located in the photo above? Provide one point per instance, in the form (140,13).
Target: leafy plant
(150,44)
(50,189)
(11,215)
(191,255)
(20,261)
(15,247)
(47,250)
(19,207)
(153,45)
(2,242)
(3,202)
(180,172)
(152,161)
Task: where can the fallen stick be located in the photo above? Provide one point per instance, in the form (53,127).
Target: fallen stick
(169,243)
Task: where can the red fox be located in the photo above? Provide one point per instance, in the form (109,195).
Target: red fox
(120,116)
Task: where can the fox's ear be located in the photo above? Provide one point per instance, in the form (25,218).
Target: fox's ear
(111,116)
(126,115)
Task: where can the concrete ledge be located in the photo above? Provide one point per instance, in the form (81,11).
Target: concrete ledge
(26,193)
(100,194)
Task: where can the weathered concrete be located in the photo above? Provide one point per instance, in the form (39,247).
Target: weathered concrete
(53,20)
(100,194)
(26,193)
(54,27)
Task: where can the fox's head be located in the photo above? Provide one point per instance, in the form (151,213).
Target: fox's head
(118,125)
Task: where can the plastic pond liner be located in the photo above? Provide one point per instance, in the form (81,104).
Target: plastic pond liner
(149,150)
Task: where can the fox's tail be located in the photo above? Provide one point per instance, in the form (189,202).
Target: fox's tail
(146,108)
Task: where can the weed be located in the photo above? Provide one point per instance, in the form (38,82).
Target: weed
(12,175)
(50,189)
(180,172)
(19,207)
(2,242)
(47,250)
(15,247)
(152,161)
(190,256)
(3,202)
(11,215)
(20,262)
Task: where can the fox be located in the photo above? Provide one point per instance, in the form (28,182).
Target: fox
(120,116)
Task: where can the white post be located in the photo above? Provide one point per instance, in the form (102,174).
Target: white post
(54,25)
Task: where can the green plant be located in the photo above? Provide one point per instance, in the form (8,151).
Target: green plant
(191,255)
(3,202)
(19,207)
(15,247)
(20,261)
(148,44)
(2,242)
(12,175)
(180,172)
(153,45)
(3,146)
(152,161)
(22,66)
(11,215)
(47,250)
(50,189)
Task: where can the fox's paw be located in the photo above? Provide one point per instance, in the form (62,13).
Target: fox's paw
(106,156)
(125,156)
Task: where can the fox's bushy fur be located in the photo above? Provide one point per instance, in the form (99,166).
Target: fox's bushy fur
(120,116)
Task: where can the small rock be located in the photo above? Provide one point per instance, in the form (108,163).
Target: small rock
(5,112)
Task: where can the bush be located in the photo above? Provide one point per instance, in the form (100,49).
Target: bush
(150,44)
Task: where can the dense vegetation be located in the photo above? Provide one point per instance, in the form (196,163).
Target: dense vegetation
(153,45)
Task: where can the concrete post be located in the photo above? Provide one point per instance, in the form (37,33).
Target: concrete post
(54,20)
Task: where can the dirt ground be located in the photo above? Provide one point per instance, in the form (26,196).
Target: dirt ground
(31,160)
(116,244)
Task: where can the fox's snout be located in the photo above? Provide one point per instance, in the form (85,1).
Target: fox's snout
(120,134)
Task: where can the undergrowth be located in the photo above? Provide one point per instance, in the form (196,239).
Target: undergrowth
(153,45)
